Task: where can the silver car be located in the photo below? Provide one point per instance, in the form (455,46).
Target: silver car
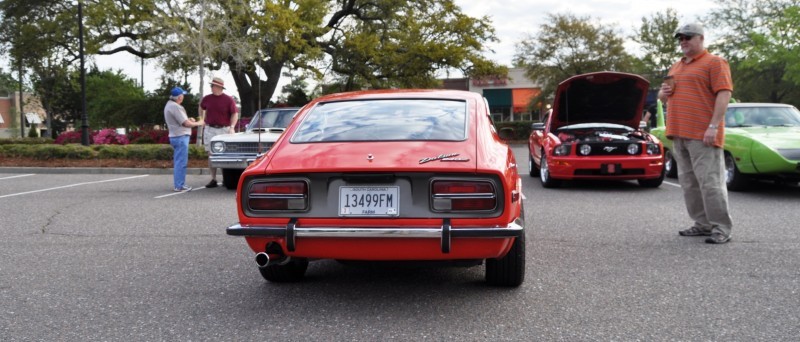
(234,152)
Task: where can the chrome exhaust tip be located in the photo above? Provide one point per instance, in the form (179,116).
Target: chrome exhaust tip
(262,260)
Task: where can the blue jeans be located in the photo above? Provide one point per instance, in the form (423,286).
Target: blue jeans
(180,158)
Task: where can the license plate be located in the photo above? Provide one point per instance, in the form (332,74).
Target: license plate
(610,169)
(369,200)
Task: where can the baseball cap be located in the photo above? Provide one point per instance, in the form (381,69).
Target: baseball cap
(690,29)
(177,91)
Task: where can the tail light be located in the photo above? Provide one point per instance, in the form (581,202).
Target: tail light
(447,195)
(281,195)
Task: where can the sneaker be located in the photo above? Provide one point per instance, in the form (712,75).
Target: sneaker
(183,188)
(212,184)
(694,231)
(718,238)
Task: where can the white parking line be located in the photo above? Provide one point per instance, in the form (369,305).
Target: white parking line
(178,193)
(673,184)
(72,185)
(18,176)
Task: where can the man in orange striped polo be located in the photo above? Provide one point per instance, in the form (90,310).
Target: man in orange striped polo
(697,92)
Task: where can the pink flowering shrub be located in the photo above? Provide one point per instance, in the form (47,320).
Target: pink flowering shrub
(71,137)
(109,136)
(149,136)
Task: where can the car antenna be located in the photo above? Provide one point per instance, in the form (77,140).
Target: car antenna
(258,110)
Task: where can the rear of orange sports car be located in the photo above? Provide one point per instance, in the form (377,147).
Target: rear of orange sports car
(417,175)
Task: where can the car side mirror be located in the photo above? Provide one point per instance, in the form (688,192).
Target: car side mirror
(537,126)
(506,133)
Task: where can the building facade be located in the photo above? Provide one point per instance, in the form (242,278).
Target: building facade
(33,115)
(509,96)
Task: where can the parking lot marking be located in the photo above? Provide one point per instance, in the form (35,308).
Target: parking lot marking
(178,193)
(17,176)
(673,184)
(71,186)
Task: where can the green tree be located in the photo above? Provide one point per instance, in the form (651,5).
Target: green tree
(567,45)
(375,43)
(295,93)
(8,84)
(110,96)
(656,39)
(760,40)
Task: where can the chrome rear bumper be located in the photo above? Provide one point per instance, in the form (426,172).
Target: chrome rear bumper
(445,232)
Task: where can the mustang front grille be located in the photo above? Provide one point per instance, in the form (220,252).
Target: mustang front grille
(608,149)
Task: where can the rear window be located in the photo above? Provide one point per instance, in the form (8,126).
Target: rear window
(384,120)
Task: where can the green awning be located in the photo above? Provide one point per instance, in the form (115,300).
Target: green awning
(499,97)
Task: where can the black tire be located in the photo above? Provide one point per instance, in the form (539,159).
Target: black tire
(544,175)
(653,182)
(510,269)
(670,167)
(292,271)
(735,180)
(230,178)
(533,169)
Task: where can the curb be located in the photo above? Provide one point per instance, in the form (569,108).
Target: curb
(100,170)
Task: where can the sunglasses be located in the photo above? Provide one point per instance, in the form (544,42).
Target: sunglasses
(682,37)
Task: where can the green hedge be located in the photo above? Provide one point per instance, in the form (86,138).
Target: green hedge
(25,141)
(522,129)
(76,151)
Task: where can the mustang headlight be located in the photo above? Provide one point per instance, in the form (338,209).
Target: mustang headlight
(633,149)
(584,150)
(217,147)
(653,149)
(562,150)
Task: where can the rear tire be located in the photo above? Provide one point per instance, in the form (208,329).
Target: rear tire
(510,269)
(292,271)
(670,167)
(734,180)
(230,178)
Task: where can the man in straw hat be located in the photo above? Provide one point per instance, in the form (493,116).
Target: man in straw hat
(220,115)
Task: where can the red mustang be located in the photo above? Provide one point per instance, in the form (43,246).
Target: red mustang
(417,175)
(593,132)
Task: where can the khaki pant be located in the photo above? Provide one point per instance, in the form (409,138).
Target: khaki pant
(701,173)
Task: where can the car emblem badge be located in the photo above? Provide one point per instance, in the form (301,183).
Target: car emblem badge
(609,148)
(449,157)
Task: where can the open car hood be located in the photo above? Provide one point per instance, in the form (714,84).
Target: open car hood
(609,97)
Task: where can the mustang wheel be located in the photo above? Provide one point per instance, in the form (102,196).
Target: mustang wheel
(292,271)
(533,169)
(670,167)
(230,178)
(510,269)
(733,179)
(544,175)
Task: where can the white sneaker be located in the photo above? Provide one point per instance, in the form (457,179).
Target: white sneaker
(182,189)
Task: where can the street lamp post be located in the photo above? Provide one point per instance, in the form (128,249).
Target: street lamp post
(84,119)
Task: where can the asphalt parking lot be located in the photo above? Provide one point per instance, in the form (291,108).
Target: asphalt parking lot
(121,257)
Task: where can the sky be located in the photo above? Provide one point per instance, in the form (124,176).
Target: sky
(512,19)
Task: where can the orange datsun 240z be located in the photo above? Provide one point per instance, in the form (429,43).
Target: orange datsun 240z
(594,132)
(391,175)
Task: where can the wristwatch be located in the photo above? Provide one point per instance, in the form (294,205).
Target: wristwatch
(713,126)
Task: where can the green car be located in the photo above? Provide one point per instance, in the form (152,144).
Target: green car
(762,141)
